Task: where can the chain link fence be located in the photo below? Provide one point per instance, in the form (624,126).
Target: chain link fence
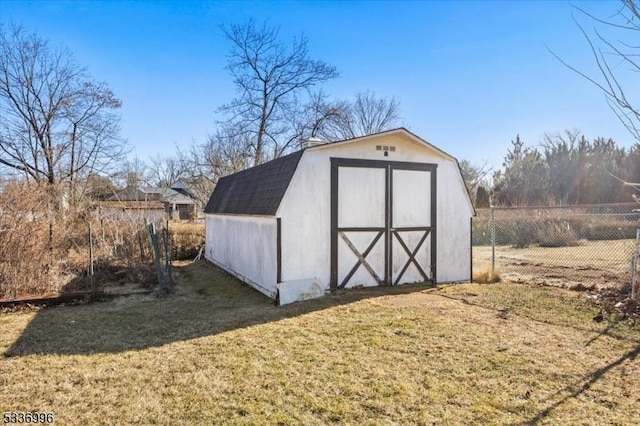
(577,247)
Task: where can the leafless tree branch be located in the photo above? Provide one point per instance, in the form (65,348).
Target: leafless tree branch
(269,77)
(610,53)
(57,124)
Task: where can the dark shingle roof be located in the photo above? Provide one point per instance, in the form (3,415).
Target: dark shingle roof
(257,190)
(170,195)
(164,195)
(130,193)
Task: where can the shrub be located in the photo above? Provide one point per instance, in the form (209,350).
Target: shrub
(29,249)
(521,228)
(186,239)
(519,232)
(480,232)
(610,230)
(554,233)
(44,244)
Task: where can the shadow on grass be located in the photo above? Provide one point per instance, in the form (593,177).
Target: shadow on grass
(579,388)
(610,330)
(207,301)
(82,287)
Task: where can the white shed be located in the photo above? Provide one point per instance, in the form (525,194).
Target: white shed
(383,209)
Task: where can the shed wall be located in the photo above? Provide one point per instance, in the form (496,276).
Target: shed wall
(305,209)
(246,246)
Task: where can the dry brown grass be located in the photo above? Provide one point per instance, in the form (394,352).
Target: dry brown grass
(28,256)
(44,243)
(186,239)
(487,275)
(590,265)
(616,253)
(218,352)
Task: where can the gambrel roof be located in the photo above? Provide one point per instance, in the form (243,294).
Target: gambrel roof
(254,191)
(259,190)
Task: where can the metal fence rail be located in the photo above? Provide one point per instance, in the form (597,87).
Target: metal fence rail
(594,246)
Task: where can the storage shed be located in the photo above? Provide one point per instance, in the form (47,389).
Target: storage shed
(383,209)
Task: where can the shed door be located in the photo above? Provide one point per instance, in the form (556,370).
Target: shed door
(382,222)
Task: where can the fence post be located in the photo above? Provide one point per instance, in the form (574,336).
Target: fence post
(634,266)
(91,280)
(166,242)
(156,253)
(163,279)
(493,240)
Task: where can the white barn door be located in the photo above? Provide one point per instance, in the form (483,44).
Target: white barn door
(362,204)
(411,229)
(382,222)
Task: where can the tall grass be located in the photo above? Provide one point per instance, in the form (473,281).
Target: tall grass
(28,243)
(487,275)
(556,234)
(186,239)
(522,228)
(44,244)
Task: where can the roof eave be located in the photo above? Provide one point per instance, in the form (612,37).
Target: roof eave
(399,130)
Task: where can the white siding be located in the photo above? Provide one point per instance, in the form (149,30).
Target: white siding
(454,226)
(246,247)
(306,208)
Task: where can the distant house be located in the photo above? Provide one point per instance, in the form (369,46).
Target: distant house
(174,203)
(193,193)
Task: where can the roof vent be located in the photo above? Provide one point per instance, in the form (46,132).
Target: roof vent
(311,142)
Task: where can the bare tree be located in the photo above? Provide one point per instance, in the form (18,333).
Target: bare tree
(57,124)
(271,80)
(475,179)
(365,115)
(100,187)
(165,171)
(132,173)
(614,43)
(320,114)
(474,175)
(226,151)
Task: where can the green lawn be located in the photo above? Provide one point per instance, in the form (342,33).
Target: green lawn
(218,352)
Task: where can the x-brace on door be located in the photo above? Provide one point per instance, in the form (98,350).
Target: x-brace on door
(383,222)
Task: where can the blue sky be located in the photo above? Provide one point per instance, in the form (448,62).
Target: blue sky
(469,75)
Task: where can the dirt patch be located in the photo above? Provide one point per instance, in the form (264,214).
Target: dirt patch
(593,265)
(415,299)
(586,278)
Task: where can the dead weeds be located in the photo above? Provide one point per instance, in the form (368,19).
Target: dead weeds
(487,275)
